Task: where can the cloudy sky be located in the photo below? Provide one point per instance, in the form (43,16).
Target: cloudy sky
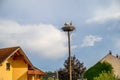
(35,26)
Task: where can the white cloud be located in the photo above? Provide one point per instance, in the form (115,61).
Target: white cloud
(106,13)
(44,39)
(90,40)
(74,46)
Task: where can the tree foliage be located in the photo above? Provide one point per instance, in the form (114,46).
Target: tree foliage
(78,69)
(97,69)
(106,76)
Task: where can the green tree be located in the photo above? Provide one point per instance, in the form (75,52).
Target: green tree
(42,78)
(97,69)
(78,69)
(106,76)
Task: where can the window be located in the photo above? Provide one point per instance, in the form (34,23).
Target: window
(8,66)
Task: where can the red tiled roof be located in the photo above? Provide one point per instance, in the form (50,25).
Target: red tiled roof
(6,52)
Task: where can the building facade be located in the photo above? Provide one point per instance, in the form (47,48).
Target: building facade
(14,65)
(114,61)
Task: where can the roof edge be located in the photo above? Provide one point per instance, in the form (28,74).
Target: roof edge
(17,48)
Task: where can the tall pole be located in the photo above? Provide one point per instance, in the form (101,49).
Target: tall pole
(68,28)
(69,49)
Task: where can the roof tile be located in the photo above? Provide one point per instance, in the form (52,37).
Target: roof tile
(6,52)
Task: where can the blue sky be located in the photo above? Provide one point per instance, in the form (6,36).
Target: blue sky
(35,26)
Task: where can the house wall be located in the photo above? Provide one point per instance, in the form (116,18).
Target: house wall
(20,69)
(33,77)
(115,63)
(5,74)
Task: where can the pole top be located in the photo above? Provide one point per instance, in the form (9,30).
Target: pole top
(68,27)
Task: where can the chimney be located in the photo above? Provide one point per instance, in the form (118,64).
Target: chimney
(116,55)
(110,52)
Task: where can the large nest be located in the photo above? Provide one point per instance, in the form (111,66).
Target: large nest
(68,28)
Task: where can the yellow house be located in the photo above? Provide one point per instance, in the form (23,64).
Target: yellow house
(14,65)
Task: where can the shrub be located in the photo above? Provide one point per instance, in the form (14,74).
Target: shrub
(106,76)
(97,69)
